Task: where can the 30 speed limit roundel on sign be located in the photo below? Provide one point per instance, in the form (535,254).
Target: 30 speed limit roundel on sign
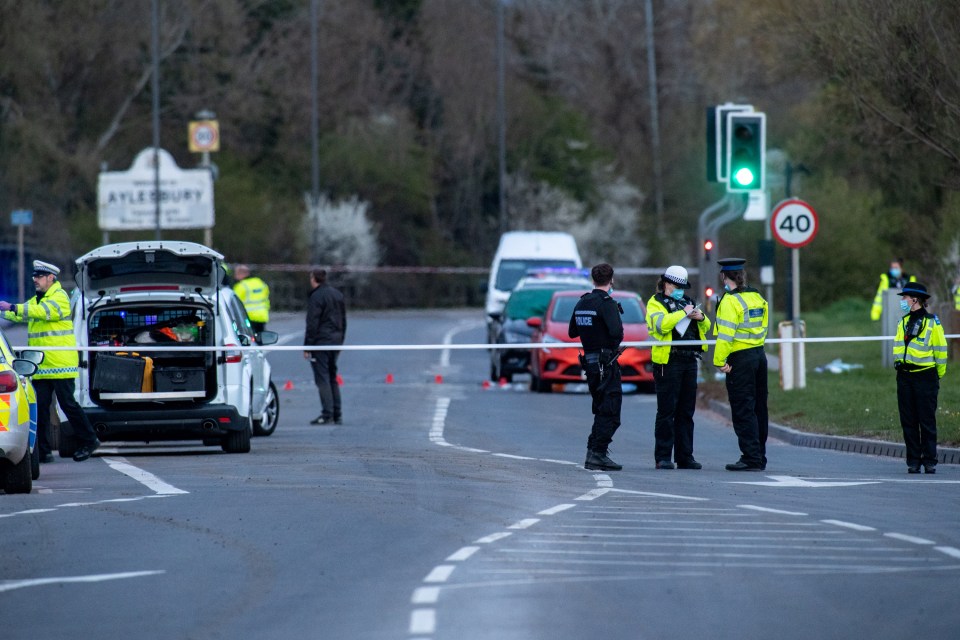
(794,223)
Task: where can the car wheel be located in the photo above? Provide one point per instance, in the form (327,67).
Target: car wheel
(271,414)
(35,462)
(66,443)
(238,441)
(19,477)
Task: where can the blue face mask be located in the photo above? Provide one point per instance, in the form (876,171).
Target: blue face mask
(904,306)
(726,287)
(895,273)
(677,294)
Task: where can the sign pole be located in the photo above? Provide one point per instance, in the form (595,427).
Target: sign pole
(20,269)
(798,347)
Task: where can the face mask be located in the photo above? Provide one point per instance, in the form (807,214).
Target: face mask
(677,294)
(895,273)
(726,287)
(904,306)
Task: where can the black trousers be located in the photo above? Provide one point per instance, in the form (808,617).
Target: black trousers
(63,389)
(607,395)
(676,384)
(324,364)
(747,390)
(917,400)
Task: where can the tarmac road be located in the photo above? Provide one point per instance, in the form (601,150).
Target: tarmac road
(441,509)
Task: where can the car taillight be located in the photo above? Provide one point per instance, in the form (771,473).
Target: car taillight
(8,381)
(232,356)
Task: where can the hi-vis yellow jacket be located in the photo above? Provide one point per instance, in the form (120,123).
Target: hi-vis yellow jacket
(741,323)
(928,349)
(255,296)
(49,324)
(661,322)
(877,309)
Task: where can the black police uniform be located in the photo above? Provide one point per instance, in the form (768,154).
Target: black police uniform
(596,321)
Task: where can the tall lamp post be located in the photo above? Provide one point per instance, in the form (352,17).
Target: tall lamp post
(501,119)
(314,127)
(155,48)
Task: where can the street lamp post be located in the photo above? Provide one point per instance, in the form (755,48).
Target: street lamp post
(155,48)
(501,119)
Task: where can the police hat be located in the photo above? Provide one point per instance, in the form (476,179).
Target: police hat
(41,268)
(676,275)
(915,290)
(731,264)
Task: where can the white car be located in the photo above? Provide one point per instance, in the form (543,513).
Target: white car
(176,369)
(19,455)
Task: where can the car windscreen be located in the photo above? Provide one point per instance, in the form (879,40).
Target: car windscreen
(510,271)
(527,303)
(632,310)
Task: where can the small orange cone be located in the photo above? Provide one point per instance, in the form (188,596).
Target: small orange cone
(288,385)
(389,379)
(438,379)
(339,380)
(486,384)
(503,382)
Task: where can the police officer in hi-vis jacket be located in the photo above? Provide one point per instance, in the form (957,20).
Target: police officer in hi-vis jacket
(741,329)
(672,315)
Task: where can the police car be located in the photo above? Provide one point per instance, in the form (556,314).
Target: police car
(19,455)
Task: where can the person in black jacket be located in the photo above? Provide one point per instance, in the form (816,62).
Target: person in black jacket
(326,325)
(596,320)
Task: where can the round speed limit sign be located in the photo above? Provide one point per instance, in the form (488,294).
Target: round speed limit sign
(794,223)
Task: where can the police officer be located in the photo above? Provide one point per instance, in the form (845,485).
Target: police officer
(920,357)
(894,278)
(671,315)
(49,324)
(596,321)
(255,296)
(741,330)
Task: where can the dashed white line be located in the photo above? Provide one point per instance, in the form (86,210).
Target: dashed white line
(593,495)
(906,538)
(848,525)
(953,552)
(440,573)
(462,554)
(524,524)
(493,537)
(423,621)
(768,510)
(145,478)
(10,585)
(552,511)
(425,595)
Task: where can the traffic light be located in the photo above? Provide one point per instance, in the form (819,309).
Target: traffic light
(746,151)
(707,248)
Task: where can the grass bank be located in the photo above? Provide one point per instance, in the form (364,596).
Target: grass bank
(858,402)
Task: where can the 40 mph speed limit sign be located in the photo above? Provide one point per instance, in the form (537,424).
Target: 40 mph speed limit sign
(794,223)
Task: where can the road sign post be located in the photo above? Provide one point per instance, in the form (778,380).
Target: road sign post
(794,224)
(21,218)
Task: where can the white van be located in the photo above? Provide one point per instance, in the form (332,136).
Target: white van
(519,252)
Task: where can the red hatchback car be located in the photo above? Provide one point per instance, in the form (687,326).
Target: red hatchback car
(552,366)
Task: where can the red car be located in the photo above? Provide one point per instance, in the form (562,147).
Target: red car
(551,366)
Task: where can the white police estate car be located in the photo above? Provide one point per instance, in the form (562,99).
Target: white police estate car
(176,368)
(19,455)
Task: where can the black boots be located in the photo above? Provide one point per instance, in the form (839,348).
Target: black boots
(597,461)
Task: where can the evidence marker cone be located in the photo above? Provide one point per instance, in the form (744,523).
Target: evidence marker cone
(438,379)
(288,385)
(486,384)
(339,380)
(503,382)
(389,378)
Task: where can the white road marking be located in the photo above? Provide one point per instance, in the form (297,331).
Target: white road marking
(906,538)
(464,325)
(953,552)
(513,457)
(493,537)
(552,511)
(423,621)
(660,495)
(440,573)
(791,481)
(526,523)
(145,478)
(10,585)
(848,525)
(425,595)
(593,495)
(767,510)
(26,512)
(462,554)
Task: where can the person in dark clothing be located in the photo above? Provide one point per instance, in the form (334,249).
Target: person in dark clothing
(326,325)
(596,321)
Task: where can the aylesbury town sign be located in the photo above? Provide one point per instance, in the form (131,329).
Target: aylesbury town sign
(127,199)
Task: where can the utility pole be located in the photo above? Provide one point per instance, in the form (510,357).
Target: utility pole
(155,48)
(501,118)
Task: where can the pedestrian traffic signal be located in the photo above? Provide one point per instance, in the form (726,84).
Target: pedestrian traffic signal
(707,248)
(746,151)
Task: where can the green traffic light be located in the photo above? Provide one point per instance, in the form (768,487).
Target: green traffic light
(743,176)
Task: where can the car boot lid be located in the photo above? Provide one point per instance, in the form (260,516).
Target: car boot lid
(151,266)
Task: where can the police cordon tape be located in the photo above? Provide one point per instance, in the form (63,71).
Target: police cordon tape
(646,344)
